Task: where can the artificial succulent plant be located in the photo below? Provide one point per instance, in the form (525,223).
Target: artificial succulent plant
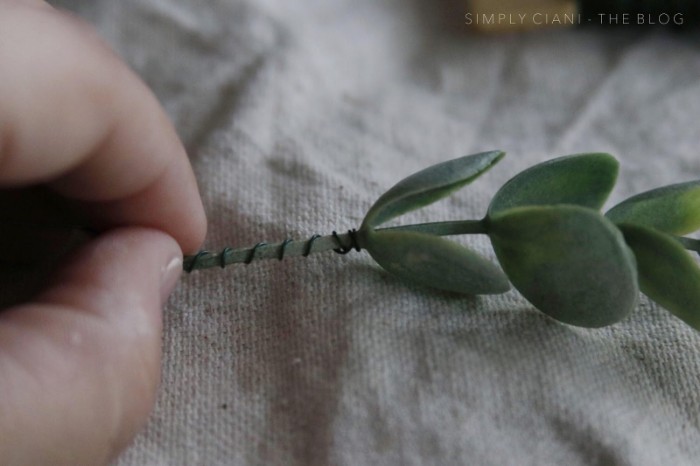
(572,262)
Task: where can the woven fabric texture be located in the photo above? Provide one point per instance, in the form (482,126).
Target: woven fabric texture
(297,116)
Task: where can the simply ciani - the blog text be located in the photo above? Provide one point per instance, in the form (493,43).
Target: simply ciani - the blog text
(621,19)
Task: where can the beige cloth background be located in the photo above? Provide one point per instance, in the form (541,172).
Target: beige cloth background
(297,116)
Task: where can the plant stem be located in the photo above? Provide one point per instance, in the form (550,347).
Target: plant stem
(457,227)
(341,243)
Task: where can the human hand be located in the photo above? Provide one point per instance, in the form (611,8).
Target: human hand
(80,364)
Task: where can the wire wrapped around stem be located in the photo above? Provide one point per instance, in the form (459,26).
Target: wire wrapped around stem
(340,243)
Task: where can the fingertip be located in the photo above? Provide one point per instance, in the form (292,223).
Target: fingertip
(171,204)
(198,233)
(131,259)
(86,352)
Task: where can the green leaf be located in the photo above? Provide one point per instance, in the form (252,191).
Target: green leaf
(435,262)
(429,185)
(667,273)
(569,261)
(672,209)
(584,179)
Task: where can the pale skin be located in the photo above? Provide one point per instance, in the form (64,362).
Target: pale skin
(80,363)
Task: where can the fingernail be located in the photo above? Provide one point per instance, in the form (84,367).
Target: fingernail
(169,275)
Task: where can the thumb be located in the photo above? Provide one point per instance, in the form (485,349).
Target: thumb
(79,367)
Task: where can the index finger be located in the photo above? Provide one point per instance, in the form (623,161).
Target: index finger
(74,116)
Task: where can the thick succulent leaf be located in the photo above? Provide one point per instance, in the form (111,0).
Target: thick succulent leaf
(584,179)
(673,209)
(569,261)
(434,262)
(429,185)
(667,273)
